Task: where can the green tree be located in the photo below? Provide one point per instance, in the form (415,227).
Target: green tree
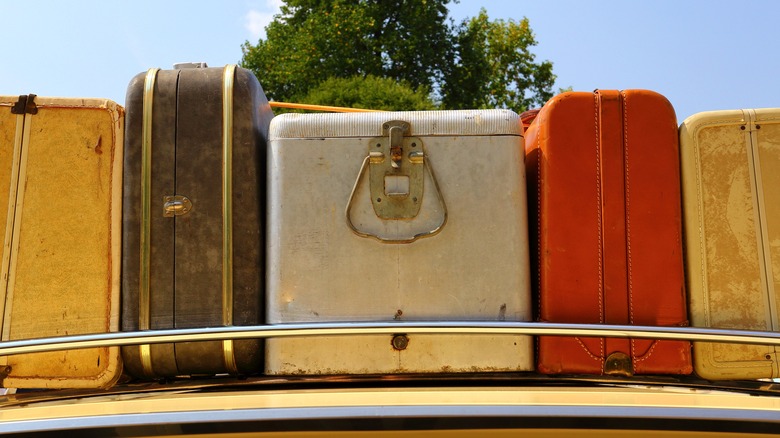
(477,64)
(370,92)
(493,67)
(312,40)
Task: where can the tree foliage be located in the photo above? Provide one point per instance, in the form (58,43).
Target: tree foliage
(370,92)
(494,68)
(312,40)
(477,64)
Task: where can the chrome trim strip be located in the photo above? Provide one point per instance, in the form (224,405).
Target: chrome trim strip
(228,80)
(388,328)
(259,415)
(144,301)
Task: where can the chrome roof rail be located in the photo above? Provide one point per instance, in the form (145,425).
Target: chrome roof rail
(388,328)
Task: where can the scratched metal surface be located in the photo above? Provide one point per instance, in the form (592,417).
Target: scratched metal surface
(475,268)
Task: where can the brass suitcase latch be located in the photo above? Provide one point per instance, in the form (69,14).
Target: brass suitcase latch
(176,205)
(618,364)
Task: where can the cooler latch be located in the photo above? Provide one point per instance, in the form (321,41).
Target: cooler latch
(396,166)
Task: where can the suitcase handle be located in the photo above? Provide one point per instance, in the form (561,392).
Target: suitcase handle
(429,233)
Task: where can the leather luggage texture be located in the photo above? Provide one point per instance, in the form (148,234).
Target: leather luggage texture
(336,254)
(731,192)
(194,216)
(60,202)
(604,193)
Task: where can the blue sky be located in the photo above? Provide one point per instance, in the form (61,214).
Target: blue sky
(701,54)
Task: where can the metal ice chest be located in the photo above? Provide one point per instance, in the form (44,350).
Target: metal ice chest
(388,216)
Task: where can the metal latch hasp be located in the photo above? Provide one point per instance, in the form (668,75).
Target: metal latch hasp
(396,166)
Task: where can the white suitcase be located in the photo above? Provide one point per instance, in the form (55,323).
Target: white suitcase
(731,203)
(397,216)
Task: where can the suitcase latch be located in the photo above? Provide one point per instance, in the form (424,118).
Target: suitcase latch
(396,165)
(25,105)
(618,364)
(176,205)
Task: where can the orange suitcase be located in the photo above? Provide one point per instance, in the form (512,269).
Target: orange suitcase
(604,180)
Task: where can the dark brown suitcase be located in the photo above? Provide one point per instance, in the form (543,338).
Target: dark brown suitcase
(194,201)
(604,182)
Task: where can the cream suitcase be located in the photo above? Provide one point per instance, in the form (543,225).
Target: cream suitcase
(60,202)
(397,216)
(731,204)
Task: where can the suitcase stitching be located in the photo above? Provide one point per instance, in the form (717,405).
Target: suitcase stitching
(628,209)
(598,214)
(596,358)
(655,343)
(539,229)
(646,356)
(598,208)
(628,226)
(539,216)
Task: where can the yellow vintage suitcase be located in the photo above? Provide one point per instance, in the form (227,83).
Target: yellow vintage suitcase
(731,204)
(60,201)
